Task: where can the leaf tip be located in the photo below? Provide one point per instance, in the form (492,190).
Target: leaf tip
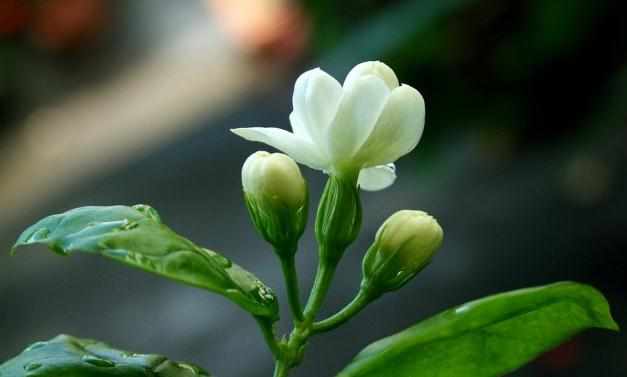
(18,243)
(601,307)
(610,324)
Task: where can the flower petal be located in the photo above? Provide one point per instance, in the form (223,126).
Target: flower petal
(299,127)
(398,129)
(376,68)
(315,101)
(361,105)
(377,177)
(300,149)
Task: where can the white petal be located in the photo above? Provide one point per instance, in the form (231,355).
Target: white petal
(299,149)
(298,126)
(315,101)
(398,129)
(377,177)
(359,109)
(375,68)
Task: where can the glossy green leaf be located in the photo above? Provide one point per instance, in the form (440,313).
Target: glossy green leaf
(136,236)
(67,356)
(488,337)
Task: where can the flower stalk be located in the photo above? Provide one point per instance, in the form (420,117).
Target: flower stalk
(288,266)
(361,300)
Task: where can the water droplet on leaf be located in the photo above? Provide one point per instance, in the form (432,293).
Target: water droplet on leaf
(32,366)
(150,212)
(116,253)
(97,361)
(40,234)
(35,346)
(130,225)
(221,260)
(189,367)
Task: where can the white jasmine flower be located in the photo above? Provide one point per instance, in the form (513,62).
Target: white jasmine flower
(357,129)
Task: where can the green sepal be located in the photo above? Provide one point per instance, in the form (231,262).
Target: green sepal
(338,220)
(488,337)
(67,356)
(278,224)
(135,236)
(384,273)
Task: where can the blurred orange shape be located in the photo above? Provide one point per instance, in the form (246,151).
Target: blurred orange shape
(14,15)
(62,24)
(268,27)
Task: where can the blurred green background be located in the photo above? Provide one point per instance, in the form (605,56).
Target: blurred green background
(523,159)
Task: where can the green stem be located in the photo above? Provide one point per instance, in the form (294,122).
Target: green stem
(291,282)
(281,369)
(322,281)
(268,336)
(361,300)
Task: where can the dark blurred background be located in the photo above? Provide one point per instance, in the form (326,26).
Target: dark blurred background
(523,160)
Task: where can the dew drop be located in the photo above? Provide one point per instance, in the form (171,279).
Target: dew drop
(96,361)
(35,346)
(221,260)
(130,225)
(172,369)
(39,235)
(150,212)
(189,367)
(32,366)
(116,253)
(264,292)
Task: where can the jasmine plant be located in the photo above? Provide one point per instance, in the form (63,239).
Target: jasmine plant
(353,132)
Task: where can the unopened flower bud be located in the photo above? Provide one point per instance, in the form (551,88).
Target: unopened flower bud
(403,246)
(276,196)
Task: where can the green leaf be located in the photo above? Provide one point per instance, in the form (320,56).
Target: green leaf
(136,236)
(488,337)
(67,356)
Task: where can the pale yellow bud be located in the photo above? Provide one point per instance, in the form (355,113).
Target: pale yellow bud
(414,235)
(403,246)
(275,193)
(276,177)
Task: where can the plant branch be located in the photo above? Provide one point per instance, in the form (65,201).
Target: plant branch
(324,276)
(361,300)
(281,369)
(267,330)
